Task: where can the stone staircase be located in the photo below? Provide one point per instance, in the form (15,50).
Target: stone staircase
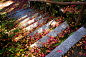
(36,27)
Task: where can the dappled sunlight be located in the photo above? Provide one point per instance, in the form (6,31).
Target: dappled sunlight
(24,20)
(31,26)
(54,23)
(22,25)
(5,4)
(13,7)
(34,25)
(2,1)
(63,26)
(17,22)
(20,19)
(9,9)
(40,30)
(28,20)
(17,38)
(33,45)
(35,33)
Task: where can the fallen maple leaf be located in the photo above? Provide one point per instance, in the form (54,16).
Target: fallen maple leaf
(80,53)
(48,50)
(59,51)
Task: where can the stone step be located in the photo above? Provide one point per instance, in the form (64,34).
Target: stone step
(24,17)
(39,30)
(61,27)
(22,10)
(33,20)
(68,43)
(17,12)
(28,13)
(24,21)
(21,13)
(45,27)
(31,27)
(35,24)
(28,18)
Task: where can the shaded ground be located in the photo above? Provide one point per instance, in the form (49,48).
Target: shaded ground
(16,5)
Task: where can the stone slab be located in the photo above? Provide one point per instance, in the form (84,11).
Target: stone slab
(23,22)
(28,14)
(20,13)
(68,43)
(28,18)
(33,20)
(35,24)
(61,27)
(39,30)
(16,12)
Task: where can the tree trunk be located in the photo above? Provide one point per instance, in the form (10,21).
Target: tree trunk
(31,4)
(80,15)
(45,6)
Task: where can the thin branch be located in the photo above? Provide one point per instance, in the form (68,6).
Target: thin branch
(63,3)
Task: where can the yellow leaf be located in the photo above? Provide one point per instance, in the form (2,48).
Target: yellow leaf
(19,23)
(6,46)
(6,30)
(10,50)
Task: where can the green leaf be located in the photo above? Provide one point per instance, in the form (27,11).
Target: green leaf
(13,18)
(56,11)
(34,2)
(2,51)
(10,55)
(21,50)
(71,33)
(66,19)
(12,52)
